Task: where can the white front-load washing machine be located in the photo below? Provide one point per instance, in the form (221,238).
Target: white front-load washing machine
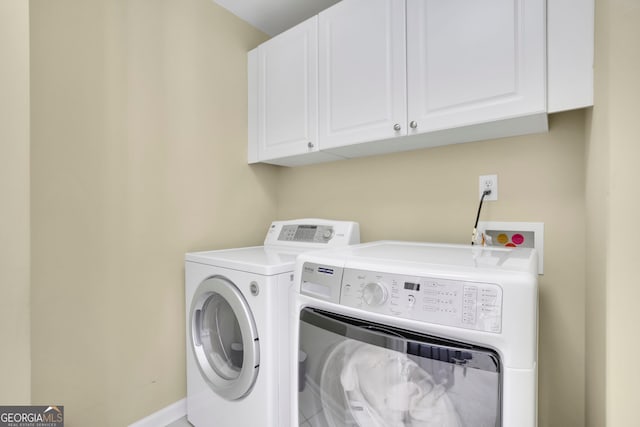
(415,334)
(237,324)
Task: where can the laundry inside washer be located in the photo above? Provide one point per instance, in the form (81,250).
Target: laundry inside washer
(378,376)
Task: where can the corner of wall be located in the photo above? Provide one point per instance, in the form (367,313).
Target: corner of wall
(15,359)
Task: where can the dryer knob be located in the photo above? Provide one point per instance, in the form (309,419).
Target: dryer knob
(374,293)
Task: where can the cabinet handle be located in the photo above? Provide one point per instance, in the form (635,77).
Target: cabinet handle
(310,144)
(397,127)
(413,124)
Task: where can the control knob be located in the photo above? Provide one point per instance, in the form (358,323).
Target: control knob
(374,293)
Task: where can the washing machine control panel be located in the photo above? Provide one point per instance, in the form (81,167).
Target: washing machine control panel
(469,305)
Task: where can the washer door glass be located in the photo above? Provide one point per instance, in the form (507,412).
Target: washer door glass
(362,374)
(224,338)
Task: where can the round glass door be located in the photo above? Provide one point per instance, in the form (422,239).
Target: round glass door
(224,338)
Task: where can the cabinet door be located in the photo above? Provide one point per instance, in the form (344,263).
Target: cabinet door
(473,61)
(362,72)
(286,86)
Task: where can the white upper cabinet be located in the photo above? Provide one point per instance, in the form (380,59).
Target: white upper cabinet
(370,77)
(283,92)
(471,62)
(391,68)
(362,74)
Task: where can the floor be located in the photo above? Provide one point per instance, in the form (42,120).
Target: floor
(182,422)
(310,414)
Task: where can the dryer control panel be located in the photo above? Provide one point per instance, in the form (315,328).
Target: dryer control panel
(312,233)
(457,303)
(306,233)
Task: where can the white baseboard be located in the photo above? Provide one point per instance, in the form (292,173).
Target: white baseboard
(164,416)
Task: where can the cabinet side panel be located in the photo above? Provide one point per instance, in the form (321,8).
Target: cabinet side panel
(252,101)
(570,36)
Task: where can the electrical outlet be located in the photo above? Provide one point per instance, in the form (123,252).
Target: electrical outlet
(488,182)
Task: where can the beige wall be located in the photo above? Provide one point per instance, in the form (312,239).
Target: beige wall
(613,206)
(138,155)
(15,356)
(597,203)
(431,195)
(623,290)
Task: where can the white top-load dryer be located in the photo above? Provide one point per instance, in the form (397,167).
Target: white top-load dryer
(416,334)
(237,327)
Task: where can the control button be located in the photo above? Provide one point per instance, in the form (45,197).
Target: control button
(374,293)
(327,234)
(411,300)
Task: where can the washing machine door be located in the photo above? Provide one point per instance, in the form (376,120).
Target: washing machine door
(224,338)
(365,374)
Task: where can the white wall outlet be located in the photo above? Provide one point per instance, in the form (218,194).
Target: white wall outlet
(488,182)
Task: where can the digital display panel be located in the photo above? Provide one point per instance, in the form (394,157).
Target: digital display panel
(412,286)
